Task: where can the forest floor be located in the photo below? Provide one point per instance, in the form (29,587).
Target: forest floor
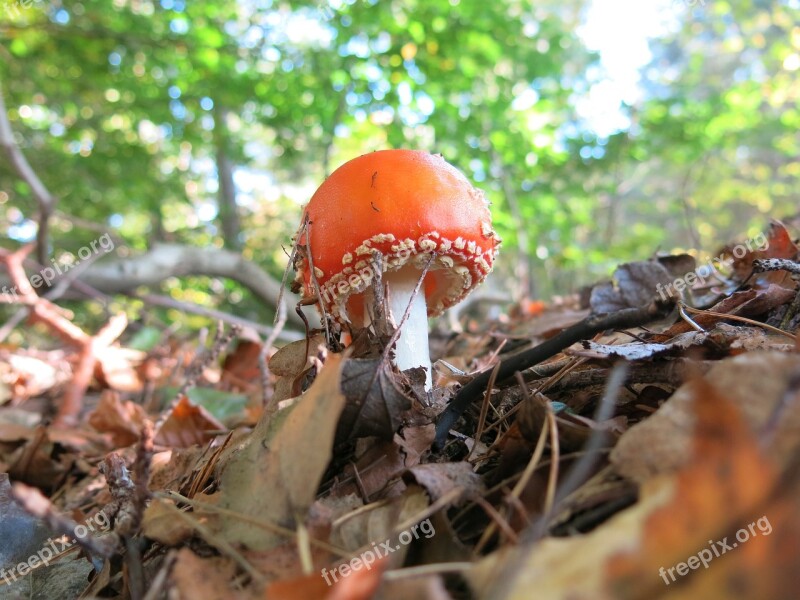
(626,444)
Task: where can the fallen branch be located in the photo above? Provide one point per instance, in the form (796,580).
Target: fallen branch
(124,275)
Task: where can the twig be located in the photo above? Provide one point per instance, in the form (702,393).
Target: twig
(776,264)
(156,587)
(141,468)
(555,457)
(530,468)
(484,409)
(427,570)
(698,311)
(72,401)
(688,319)
(263,361)
(54,293)
(576,476)
(90,347)
(497,519)
(631,317)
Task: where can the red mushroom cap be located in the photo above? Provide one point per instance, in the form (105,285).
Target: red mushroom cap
(406,204)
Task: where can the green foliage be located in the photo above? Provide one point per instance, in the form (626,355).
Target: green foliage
(124,108)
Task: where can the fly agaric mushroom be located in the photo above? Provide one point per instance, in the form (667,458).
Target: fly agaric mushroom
(399,211)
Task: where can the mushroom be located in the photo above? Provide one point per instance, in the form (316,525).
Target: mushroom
(403,212)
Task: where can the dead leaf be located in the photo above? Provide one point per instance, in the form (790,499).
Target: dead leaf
(275,472)
(117,368)
(440,479)
(123,420)
(159,523)
(204,578)
(240,369)
(292,359)
(636,284)
(661,444)
(375,402)
(727,487)
(360,584)
(187,425)
(378,525)
(778,244)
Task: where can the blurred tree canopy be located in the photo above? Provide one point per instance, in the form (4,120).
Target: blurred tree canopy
(208,123)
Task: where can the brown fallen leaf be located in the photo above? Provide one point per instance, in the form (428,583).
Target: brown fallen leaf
(240,369)
(188,424)
(721,337)
(28,376)
(440,479)
(729,487)
(275,472)
(159,523)
(747,303)
(662,443)
(778,244)
(204,578)
(378,467)
(37,462)
(123,420)
(360,584)
(360,531)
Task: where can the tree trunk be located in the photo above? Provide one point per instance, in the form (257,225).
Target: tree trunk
(226,195)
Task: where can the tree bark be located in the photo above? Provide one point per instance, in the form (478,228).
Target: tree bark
(226,195)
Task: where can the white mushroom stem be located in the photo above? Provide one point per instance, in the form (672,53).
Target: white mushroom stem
(412,345)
